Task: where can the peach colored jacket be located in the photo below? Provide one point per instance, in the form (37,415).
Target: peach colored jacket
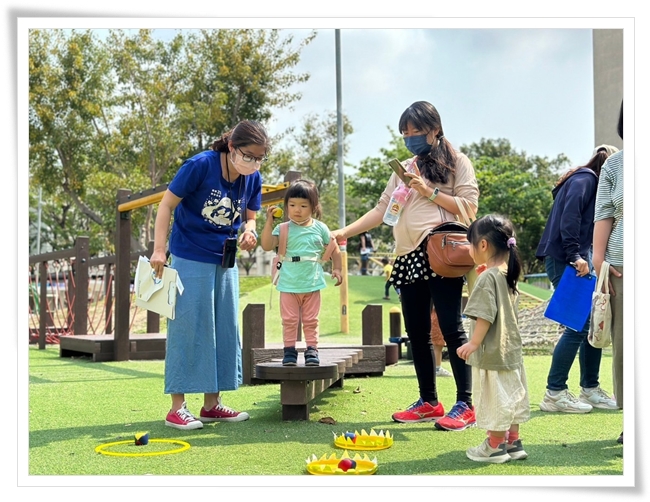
(420,215)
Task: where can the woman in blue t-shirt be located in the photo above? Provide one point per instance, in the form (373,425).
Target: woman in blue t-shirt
(214,194)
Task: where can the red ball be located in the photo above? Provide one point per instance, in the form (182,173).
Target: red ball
(346,464)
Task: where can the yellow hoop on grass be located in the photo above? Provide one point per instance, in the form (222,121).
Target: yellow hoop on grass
(102,448)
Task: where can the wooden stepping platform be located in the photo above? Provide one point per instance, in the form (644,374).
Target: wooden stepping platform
(101,347)
(299,385)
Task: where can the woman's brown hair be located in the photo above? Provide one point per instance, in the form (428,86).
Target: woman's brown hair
(595,164)
(247,132)
(441,160)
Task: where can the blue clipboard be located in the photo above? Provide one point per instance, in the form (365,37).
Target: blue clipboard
(570,304)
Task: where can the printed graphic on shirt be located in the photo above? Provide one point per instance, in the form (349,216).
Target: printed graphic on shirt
(219,210)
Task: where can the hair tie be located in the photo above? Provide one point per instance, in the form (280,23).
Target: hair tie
(511,242)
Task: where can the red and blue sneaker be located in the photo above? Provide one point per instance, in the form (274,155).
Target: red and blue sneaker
(459,418)
(420,411)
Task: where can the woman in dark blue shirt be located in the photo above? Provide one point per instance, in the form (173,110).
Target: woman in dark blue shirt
(567,241)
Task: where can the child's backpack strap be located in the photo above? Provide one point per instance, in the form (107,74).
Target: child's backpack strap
(282,250)
(284,233)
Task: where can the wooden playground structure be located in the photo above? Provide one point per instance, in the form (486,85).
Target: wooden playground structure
(261,361)
(120,344)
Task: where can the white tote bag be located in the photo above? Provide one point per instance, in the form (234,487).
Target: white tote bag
(156,295)
(600,326)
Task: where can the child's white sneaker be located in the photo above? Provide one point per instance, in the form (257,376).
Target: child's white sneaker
(485,453)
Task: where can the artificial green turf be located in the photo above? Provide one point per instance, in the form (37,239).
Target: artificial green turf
(76,405)
(362,291)
(541,293)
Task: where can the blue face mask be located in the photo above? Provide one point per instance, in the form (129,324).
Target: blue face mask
(417,145)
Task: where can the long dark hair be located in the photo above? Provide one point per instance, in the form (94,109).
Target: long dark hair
(619,128)
(595,164)
(247,132)
(498,231)
(305,189)
(441,160)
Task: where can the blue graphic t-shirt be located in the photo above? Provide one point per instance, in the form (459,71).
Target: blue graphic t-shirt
(211,208)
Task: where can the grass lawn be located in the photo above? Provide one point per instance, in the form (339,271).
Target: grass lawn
(76,405)
(362,291)
(541,293)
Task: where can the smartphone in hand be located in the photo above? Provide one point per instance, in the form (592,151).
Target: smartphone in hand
(397,166)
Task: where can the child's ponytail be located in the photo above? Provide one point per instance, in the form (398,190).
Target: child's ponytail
(514,264)
(500,233)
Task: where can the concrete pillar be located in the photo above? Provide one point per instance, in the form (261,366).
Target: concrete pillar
(608,85)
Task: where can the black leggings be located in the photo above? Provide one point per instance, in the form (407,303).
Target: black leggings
(446,296)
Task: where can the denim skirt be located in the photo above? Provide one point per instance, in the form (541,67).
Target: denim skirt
(203,353)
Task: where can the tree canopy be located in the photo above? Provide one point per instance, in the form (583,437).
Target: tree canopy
(313,150)
(510,183)
(124,111)
(518,187)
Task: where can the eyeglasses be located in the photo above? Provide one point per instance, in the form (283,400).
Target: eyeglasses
(249,158)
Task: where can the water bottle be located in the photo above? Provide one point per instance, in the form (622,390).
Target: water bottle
(396,205)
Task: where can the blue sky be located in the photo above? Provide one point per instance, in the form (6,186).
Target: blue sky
(533,87)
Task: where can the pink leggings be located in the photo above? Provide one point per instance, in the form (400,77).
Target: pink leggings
(296,308)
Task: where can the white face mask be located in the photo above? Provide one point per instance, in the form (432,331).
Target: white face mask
(301,223)
(243,168)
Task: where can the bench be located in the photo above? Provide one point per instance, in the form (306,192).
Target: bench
(300,384)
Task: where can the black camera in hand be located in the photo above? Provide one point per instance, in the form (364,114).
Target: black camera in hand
(229,252)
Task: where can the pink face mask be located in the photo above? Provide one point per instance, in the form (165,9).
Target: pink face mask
(242,167)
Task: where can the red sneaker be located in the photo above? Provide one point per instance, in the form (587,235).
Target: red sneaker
(221,413)
(459,418)
(182,419)
(420,412)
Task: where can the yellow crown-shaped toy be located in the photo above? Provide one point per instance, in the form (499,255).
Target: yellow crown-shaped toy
(364,441)
(344,465)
